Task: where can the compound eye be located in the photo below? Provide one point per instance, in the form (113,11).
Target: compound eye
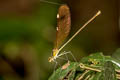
(50,59)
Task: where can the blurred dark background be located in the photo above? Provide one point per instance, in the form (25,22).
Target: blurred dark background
(27,34)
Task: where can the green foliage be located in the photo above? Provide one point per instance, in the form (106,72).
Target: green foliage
(108,72)
(60,74)
(94,67)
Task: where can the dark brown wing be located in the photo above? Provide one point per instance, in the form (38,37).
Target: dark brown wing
(63,25)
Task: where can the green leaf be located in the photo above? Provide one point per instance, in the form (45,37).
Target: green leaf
(97,58)
(108,72)
(71,75)
(96,76)
(93,67)
(116,54)
(62,73)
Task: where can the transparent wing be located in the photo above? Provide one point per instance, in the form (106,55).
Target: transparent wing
(63,25)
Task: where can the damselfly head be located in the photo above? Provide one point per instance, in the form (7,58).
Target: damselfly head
(51,59)
(54,55)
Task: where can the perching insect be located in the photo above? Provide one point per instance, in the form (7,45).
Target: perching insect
(63,29)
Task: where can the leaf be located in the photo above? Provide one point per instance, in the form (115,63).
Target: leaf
(97,76)
(116,54)
(96,58)
(62,73)
(108,72)
(93,67)
(72,75)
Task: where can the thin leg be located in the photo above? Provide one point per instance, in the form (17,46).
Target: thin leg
(64,53)
(66,57)
(62,58)
(59,56)
(73,56)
